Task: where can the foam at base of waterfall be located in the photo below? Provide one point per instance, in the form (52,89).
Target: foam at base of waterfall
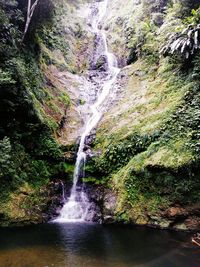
(76,209)
(64,220)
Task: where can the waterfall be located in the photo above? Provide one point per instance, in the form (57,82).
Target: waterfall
(77,206)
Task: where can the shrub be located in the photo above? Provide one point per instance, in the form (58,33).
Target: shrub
(185,43)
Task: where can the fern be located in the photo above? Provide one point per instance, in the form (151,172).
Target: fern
(185,43)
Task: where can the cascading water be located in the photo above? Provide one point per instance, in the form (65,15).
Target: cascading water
(77,206)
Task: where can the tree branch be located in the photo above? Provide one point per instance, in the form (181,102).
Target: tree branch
(30,12)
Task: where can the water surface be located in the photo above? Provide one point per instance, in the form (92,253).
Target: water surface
(91,245)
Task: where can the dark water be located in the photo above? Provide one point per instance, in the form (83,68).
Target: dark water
(75,245)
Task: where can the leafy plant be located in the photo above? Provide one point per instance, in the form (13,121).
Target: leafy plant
(195,18)
(185,43)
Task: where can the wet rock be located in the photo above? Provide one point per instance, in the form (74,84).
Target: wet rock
(193,223)
(94,213)
(56,191)
(164,224)
(181,226)
(110,200)
(175,212)
(101,64)
(90,138)
(104,203)
(119,21)
(95,193)
(158,18)
(142,220)
(157,220)
(108,219)
(177,217)
(181,212)
(109,206)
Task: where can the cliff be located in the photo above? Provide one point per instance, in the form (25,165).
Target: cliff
(40,106)
(144,161)
(148,141)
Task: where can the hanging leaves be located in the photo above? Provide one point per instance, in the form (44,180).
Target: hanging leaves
(185,43)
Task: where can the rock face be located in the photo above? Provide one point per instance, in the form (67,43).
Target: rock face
(109,206)
(142,150)
(183,217)
(177,218)
(105,201)
(30,206)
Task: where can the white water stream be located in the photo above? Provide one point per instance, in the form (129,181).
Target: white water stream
(77,206)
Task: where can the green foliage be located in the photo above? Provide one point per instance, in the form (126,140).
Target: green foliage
(6,163)
(6,78)
(158,183)
(10,34)
(183,40)
(164,170)
(185,43)
(36,168)
(47,148)
(122,217)
(194,18)
(177,38)
(69,168)
(52,40)
(153,6)
(64,98)
(94,180)
(39,172)
(118,155)
(29,155)
(143,42)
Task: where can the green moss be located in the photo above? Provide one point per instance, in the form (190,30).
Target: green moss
(159,167)
(64,98)
(69,170)
(94,180)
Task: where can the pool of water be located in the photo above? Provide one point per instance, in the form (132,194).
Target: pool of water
(92,245)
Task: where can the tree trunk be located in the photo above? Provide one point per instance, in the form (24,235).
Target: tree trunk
(30,10)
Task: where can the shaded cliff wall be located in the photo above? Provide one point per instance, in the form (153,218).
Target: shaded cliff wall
(39,102)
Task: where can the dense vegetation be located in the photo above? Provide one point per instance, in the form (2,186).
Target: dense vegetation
(150,151)
(29,154)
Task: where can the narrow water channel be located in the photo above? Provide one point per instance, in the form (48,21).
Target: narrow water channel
(92,245)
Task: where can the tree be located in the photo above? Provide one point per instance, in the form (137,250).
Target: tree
(30,11)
